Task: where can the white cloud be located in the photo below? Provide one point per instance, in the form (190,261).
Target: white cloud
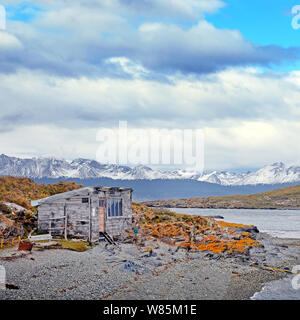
(9,41)
(133,69)
(188,9)
(250,118)
(83,65)
(252,144)
(48,140)
(236,94)
(76,38)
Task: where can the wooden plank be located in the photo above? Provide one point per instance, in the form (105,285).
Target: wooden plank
(101,217)
(40,237)
(58,218)
(65,214)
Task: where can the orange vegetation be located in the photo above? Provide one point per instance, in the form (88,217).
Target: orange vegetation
(232,225)
(192,232)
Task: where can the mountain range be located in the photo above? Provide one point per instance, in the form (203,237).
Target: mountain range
(37,168)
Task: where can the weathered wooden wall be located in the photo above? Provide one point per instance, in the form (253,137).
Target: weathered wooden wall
(77,218)
(82,218)
(115,225)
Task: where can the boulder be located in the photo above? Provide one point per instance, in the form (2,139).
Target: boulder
(20,215)
(250,229)
(10,228)
(15,207)
(131,266)
(4,209)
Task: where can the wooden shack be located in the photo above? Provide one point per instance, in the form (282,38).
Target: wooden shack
(86,213)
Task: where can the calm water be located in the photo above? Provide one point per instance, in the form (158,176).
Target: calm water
(278,223)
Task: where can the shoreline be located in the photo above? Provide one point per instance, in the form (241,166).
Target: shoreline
(273,209)
(126,273)
(284,260)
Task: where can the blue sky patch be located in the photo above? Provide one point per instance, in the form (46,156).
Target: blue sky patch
(25,12)
(263,22)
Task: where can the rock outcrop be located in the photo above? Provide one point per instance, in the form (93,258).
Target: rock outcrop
(10,228)
(192,232)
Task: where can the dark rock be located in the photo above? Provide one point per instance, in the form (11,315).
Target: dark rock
(11,286)
(236,238)
(115,259)
(130,266)
(213,256)
(156,263)
(251,229)
(153,254)
(173,250)
(216,217)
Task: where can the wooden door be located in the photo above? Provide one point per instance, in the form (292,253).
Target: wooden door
(101,215)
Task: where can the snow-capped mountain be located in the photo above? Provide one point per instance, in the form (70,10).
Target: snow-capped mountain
(272,174)
(276,173)
(78,168)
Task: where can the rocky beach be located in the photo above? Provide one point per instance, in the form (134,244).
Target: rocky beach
(130,272)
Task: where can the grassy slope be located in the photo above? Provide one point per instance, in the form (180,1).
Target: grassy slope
(23,190)
(284,198)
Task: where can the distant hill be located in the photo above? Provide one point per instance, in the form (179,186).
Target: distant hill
(144,190)
(22,190)
(283,198)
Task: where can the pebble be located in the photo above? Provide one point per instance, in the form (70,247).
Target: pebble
(170,274)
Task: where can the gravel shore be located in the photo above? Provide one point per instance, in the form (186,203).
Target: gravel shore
(128,272)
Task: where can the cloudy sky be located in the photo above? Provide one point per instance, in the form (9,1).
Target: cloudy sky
(71,67)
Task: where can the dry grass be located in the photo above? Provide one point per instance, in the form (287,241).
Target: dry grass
(8,245)
(23,190)
(192,232)
(79,246)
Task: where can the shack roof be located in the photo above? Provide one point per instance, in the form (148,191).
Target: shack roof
(86,191)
